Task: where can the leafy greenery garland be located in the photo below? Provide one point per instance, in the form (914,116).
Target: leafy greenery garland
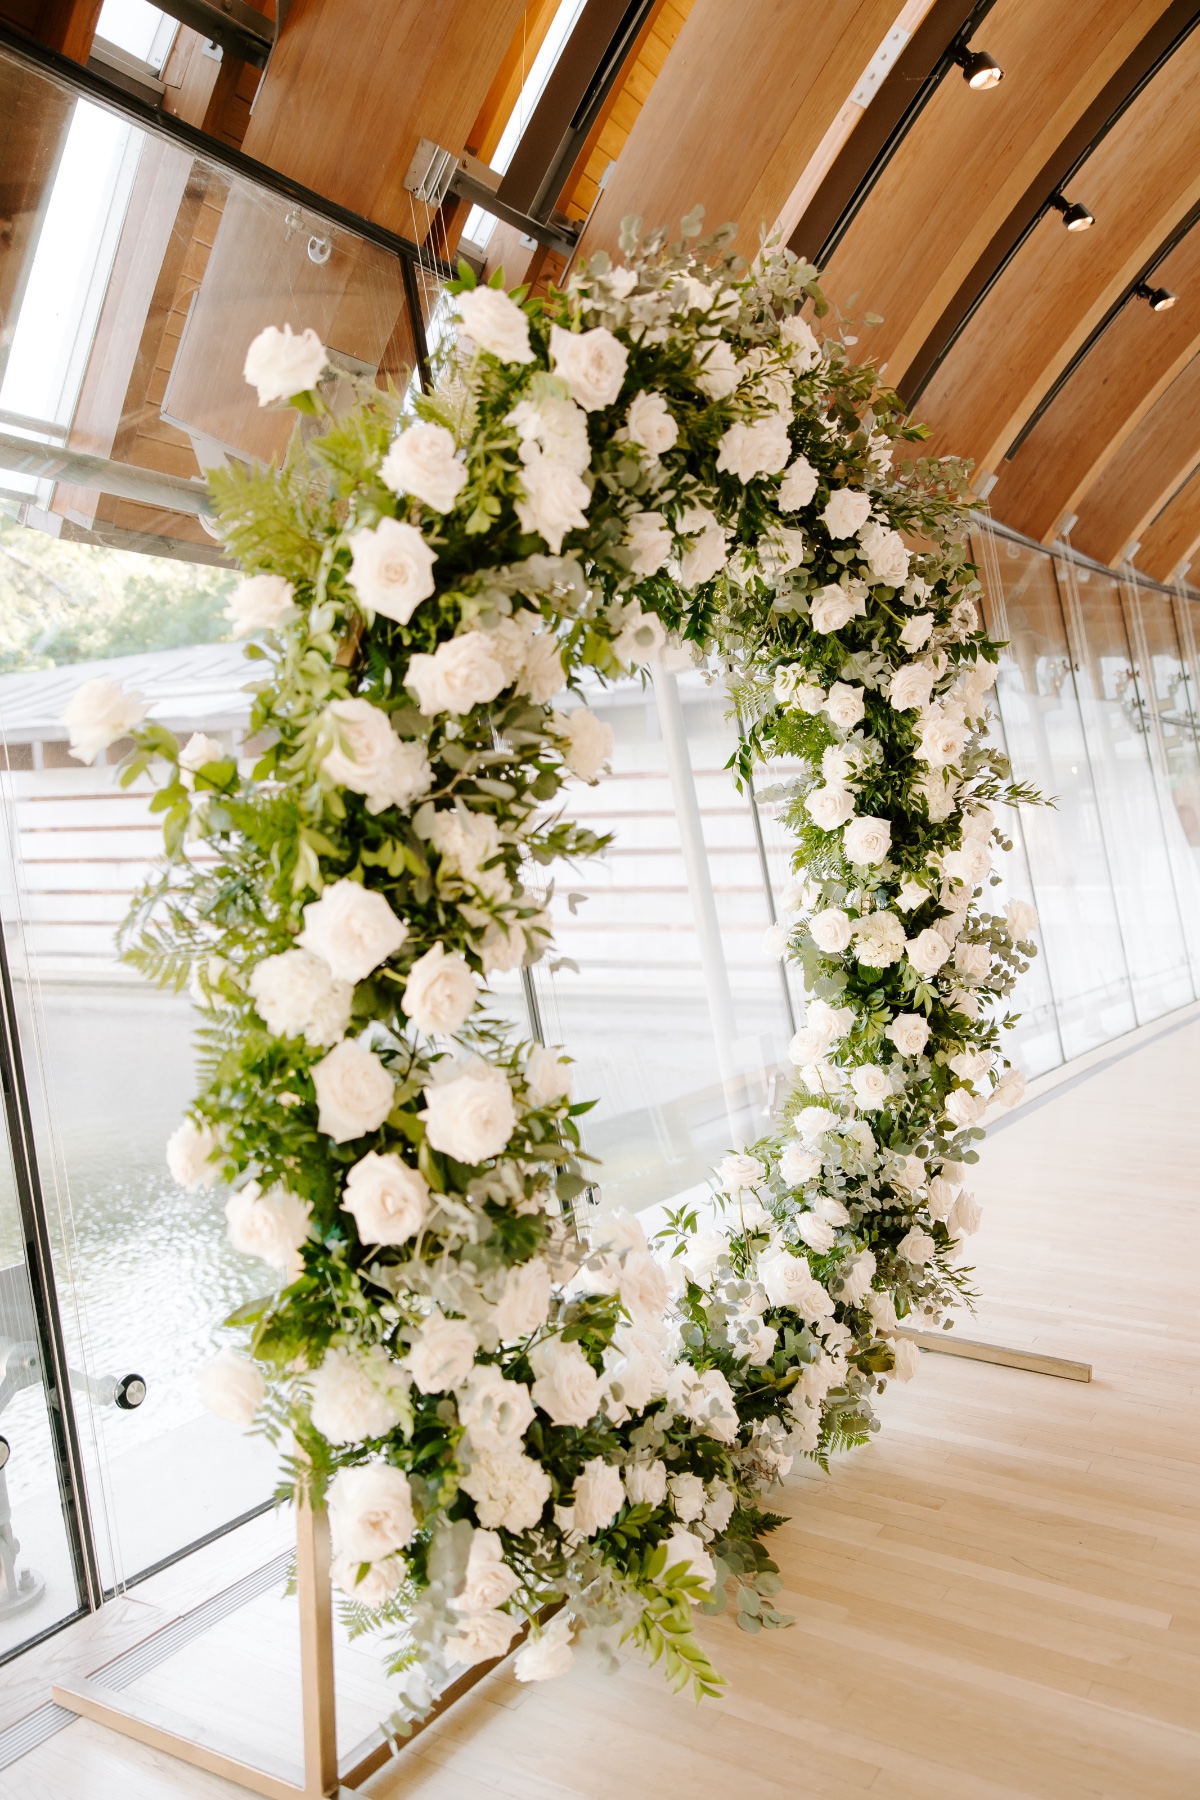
(663,448)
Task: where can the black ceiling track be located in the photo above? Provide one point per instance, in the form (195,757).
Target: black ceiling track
(1160,43)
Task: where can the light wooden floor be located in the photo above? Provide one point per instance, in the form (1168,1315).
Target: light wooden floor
(999,1599)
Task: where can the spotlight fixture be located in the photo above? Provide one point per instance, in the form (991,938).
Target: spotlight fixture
(1160,299)
(979,69)
(1075,216)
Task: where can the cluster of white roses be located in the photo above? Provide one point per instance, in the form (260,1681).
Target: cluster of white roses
(800,1310)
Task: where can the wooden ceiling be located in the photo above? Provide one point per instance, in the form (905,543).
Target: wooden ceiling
(1024,346)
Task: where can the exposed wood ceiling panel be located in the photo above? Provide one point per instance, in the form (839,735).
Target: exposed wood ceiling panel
(1074,443)
(969,158)
(1154,461)
(1143,178)
(353,84)
(743,101)
(1174,537)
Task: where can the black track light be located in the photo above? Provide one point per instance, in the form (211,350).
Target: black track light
(1160,299)
(979,69)
(1075,216)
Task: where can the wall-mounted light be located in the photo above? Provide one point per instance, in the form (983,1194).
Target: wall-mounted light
(1160,299)
(1075,216)
(980,70)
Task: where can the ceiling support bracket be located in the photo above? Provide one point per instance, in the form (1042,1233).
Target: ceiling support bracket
(434,174)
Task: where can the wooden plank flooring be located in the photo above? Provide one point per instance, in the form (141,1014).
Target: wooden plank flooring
(999,1599)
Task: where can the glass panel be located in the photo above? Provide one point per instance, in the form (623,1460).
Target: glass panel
(1117,730)
(1080,939)
(670,1004)
(132,281)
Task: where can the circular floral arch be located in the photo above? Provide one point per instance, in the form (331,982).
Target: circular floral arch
(500,1416)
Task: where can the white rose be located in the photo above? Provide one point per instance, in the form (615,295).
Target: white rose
(443,1353)
(970,865)
(909,1032)
(391,569)
(555,501)
(546,1654)
(650,542)
(1022,920)
(355,1092)
(705,557)
(928,951)
(872,1086)
(966,1215)
(974,961)
(831,1021)
(646,1483)
(599,1496)
(757,1342)
(440,992)
(1010,1088)
(684,1547)
(509,1489)
(780,551)
(940,1200)
(885,553)
(816,1232)
(543,675)
(857,1278)
(844,705)
(867,840)
(943,739)
(641,637)
(964,1108)
(738,1171)
(906,1359)
(489,1582)
(481,1637)
(916,632)
(803,350)
(589,746)
(388,1201)
(687,1496)
(916,1246)
(547,1075)
(760,448)
(462,673)
(592,363)
(938,794)
(358,1395)
(423,462)
(465,841)
(971,1065)
(882,1310)
(98,714)
(370,1512)
(231,1386)
(704,1251)
(495,323)
(833,607)
(643,1288)
(707,1400)
(368,758)
(272,1225)
(260,603)
(351,928)
(196,754)
(567,1387)
(190,1149)
(879,940)
(798,1165)
(798,486)
(790,1282)
(910,686)
(280,364)
(846,512)
(829,807)
(371,1585)
(807,1045)
(718,372)
(650,425)
(554,430)
(524,1304)
(830,930)
(793,688)
(297,995)
(470,1116)
(494,1412)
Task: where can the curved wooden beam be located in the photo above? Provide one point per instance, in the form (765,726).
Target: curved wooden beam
(1173,540)
(1153,463)
(742,103)
(969,161)
(1075,442)
(1140,182)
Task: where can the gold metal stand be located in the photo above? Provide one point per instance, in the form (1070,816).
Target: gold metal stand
(322,1777)
(945,1344)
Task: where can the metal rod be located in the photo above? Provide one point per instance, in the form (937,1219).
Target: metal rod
(44,462)
(316,1649)
(974,1351)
